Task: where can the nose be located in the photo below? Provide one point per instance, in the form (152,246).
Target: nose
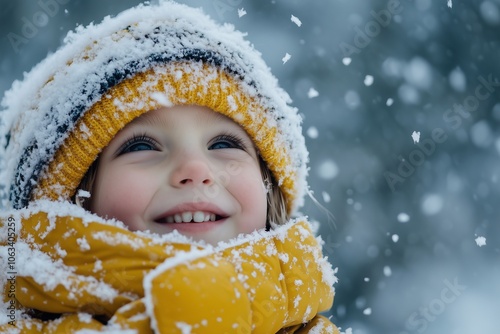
(191,172)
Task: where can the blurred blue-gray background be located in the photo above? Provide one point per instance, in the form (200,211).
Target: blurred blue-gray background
(411,215)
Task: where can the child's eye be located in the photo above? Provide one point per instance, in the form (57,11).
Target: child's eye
(138,143)
(226,141)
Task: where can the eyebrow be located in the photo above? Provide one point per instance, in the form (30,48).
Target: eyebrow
(149,119)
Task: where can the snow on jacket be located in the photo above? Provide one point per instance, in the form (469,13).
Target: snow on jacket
(83,272)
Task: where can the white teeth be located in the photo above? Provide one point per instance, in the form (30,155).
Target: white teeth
(187,217)
(199,217)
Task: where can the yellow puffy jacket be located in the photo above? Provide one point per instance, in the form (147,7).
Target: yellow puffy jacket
(82,272)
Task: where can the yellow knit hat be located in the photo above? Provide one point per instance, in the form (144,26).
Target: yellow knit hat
(112,75)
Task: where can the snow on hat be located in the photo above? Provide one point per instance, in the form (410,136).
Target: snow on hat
(68,108)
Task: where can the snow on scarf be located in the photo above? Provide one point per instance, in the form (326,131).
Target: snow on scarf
(83,268)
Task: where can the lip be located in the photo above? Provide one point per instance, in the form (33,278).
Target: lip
(194,206)
(193,229)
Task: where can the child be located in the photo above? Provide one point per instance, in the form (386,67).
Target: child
(152,165)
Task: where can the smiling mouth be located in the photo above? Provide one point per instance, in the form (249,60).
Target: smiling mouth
(190,217)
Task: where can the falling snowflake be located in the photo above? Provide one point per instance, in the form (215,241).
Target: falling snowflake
(286,58)
(368,80)
(328,170)
(346,61)
(326,197)
(415,136)
(450,4)
(389,102)
(403,217)
(312,132)
(481,241)
(242,12)
(312,93)
(296,21)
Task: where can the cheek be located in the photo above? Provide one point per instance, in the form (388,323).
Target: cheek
(122,196)
(249,191)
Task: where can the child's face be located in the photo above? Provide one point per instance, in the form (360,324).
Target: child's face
(185,163)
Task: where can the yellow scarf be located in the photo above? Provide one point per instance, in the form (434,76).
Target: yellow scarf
(81,267)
